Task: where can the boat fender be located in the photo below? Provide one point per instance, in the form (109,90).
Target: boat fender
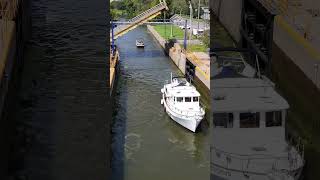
(161,101)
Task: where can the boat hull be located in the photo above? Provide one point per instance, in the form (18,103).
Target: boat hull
(191,123)
(187,123)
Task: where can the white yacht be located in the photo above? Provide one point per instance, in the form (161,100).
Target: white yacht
(248,138)
(140,43)
(181,101)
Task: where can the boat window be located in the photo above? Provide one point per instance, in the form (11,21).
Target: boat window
(249,120)
(223,120)
(273,118)
(187,99)
(195,99)
(179,99)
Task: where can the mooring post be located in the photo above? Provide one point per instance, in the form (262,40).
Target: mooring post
(185,35)
(112,34)
(171,30)
(316,68)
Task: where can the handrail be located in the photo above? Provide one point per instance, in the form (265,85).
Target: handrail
(293,160)
(144,13)
(247,157)
(184,113)
(139,18)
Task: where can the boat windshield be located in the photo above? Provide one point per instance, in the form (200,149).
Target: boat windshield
(250,120)
(140,40)
(179,80)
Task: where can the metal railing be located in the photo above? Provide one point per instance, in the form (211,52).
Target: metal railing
(246,160)
(113,59)
(185,113)
(141,18)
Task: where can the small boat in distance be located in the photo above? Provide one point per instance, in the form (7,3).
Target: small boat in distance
(140,43)
(181,101)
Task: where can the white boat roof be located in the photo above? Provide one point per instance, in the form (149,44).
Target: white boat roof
(182,90)
(245,94)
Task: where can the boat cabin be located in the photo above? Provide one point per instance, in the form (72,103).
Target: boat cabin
(247,103)
(181,93)
(139,43)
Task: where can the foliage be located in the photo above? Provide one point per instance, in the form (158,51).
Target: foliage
(206,38)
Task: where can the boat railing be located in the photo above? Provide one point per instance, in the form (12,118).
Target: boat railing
(185,113)
(225,159)
(298,146)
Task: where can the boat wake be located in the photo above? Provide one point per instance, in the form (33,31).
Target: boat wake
(132,144)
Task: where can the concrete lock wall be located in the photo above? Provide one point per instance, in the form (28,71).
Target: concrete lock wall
(228,13)
(179,57)
(202,78)
(161,41)
(175,52)
(7,61)
(16,33)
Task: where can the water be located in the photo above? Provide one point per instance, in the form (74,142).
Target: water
(147,144)
(61,108)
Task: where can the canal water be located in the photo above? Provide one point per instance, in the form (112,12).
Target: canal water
(61,113)
(146,143)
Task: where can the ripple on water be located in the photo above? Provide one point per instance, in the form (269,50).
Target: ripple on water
(132,144)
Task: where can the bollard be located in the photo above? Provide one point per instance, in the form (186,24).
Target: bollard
(316,67)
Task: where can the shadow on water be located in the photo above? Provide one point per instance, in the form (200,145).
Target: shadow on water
(119,119)
(61,108)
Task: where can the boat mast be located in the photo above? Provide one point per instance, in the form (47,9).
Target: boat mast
(258,67)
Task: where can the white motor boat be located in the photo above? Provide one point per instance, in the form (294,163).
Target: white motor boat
(181,101)
(249,139)
(140,43)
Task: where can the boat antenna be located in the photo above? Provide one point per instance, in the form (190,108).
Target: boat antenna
(258,67)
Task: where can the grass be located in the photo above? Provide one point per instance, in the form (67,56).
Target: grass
(177,33)
(197,48)
(165,32)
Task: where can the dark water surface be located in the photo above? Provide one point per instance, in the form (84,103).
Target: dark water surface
(147,144)
(61,110)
